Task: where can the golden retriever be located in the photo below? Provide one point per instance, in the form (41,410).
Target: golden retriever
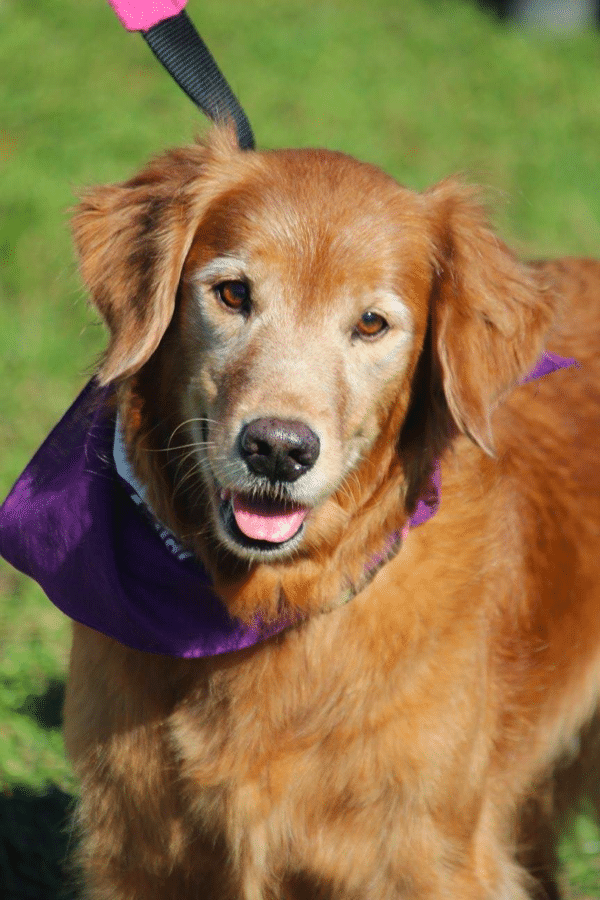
(298,344)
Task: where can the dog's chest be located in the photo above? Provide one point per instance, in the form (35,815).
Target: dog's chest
(306,745)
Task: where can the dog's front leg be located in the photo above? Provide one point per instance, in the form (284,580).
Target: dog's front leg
(135,838)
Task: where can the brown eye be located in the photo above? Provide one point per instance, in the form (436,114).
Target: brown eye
(235,295)
(370,325)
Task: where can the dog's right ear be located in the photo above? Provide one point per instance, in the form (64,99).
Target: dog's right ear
(132,240)
(489,316)
(490,313)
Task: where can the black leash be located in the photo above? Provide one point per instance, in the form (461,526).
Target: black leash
(183,53)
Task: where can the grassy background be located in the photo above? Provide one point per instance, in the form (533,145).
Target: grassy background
(424,88)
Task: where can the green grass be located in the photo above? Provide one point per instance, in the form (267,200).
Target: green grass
(424,89)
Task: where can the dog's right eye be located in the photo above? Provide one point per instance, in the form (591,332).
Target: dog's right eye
(234,295)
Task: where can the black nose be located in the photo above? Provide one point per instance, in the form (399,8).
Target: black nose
(278,448)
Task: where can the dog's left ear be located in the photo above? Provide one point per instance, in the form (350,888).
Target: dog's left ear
(132,240)
(489,313)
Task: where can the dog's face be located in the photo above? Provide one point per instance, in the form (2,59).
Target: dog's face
(299,308)
(278,322)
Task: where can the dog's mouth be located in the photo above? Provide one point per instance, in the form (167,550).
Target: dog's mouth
(264,523)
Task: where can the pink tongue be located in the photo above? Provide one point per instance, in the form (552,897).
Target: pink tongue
(274,522)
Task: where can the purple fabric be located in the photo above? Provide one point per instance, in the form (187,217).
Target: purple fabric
(428,504)
(140,15)
(71,524)
(547,363)
(75,526)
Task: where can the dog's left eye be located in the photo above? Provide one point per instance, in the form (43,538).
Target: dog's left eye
(370,325)
(235,295)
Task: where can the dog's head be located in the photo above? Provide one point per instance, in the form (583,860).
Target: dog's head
(295,337)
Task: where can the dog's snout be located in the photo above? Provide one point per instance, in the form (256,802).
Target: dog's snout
(281,449)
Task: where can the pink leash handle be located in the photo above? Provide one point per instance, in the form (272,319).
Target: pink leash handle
(140,15)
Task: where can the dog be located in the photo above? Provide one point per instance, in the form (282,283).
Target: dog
(301,352)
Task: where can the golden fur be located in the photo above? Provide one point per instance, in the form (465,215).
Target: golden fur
(403,745)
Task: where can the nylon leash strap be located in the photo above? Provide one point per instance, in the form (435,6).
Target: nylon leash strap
(178,46)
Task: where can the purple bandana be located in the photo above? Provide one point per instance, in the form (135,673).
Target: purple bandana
(83,532)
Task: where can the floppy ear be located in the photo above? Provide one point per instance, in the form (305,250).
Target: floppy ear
(489,316)
(132,240)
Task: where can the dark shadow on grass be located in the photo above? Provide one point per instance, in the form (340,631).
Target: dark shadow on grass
(35,830)
(34,844)
(46,709)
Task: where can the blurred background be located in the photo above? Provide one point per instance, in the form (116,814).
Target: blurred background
(507,93)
